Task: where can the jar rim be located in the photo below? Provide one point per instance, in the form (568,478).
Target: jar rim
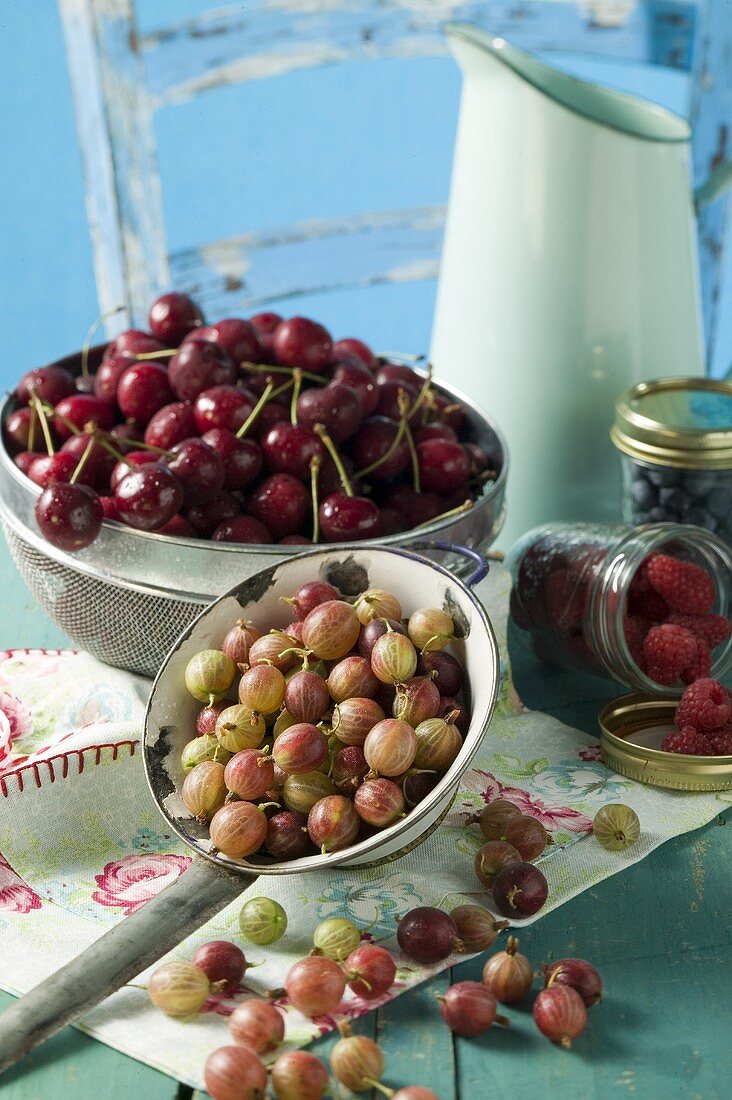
(640,432)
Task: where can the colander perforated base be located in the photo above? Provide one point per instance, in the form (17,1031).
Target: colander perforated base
(123,627)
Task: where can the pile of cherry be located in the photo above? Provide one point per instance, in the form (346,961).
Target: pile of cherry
(256,431)
(345,720)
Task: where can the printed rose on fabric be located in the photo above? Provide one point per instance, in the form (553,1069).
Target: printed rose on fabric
(15,895)
(17,714)
(553,818)
(129,882)
(4,738)
(590,753)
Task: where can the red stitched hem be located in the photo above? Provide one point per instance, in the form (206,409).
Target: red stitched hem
(4,653)
(53,774)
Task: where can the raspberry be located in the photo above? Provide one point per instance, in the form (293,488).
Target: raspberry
(712,629)
(644,601)
(635,631)
(685,587)
(701,665)
(668,650)
(689,742)
(721,741)
(705,705)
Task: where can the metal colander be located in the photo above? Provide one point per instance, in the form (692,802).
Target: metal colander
(127,597)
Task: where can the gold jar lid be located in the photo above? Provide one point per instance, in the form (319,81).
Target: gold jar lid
(681,422)
(632,729)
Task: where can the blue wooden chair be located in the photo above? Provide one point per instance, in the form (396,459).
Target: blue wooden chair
(121,75)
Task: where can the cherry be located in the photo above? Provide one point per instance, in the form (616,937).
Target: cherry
(273,413)
(98,465)
(111,369)
(336,406)
(288,448)
(265,324)
(281,503)
(393,522)
(416,507)
(454,418)
(349,345)
(69,516)
(82,409)
(242,458)
(223,407)
(84,383)
(197,366)
(237,337)
(132,460)
(296,540)
(148,496)
(122,434)
(372,441)
(389,399)
(132,342)
(242,529)
(170,425)
(443,466)
(353,373)
(172,316)
(199,469)
(329,480)
(478,459)
(50,383)
(25,459)
(300,342)
(206,517)
(436,430)
(17,429)
(109,508)
(51,469)
(346,519)
(398,372)
(142,390)
(178,527)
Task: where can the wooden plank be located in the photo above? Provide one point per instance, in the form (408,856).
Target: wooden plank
(419,1049)
(236,44)
(364,250)
(711,116)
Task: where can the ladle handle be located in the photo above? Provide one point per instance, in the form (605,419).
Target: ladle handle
(117,956)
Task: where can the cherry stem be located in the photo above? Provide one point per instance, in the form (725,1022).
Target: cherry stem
(297,378)
(413,457)
(268,394)
(83,460)
(464,507)
(384,1089)
(423,393)
(142,446)
(319,429)
(390,449)
(32,428)
(88,339)
(314,472)
(265,368)
(161,353)
(38,406)
(113,451)
(50,411)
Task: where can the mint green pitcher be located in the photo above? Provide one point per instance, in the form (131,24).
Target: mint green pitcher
(569,269)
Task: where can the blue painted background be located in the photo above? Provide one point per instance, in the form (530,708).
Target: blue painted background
(314,143)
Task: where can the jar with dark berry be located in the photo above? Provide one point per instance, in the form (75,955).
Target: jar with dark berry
(675,438)
(648,606)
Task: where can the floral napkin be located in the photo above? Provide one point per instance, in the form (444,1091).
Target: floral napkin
(83,845)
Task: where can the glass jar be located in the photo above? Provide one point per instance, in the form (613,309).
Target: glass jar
(572,594)
(675,436)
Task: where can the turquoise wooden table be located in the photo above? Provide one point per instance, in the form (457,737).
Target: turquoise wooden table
(659,933)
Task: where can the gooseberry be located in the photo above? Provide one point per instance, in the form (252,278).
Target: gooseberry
(352,678)
(239,728)
(428,935)
(476,927)
(209,675)
(357,1062)
(581,975)
(300,748)
(238,641)
(430,629)
(519,889)
(221,961)
(616,827)
(371,971)
(353,719)
(469,1009)
(257,1025)
(306,696)
(315,985)
(178,988)
(438,744)
(202,748)
(204,790)
(235,1073)
(331,630)
(301,792)
(336,938)
(375,603)
(528,836)
(493,818)
(262,688)
(393,658)
(287,835)
(262,921)
(379,802)
(333,823)
(390,747)
(416,700)
(297,1075)
(249,774)
(560,1014)
(238,829)
(493,856)
(508,974)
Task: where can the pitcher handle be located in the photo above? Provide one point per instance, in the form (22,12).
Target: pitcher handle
(482,563)
(717,182)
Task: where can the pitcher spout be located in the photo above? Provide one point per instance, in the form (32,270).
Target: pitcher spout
(477,51)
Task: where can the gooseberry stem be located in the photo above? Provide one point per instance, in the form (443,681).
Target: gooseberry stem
(88,338)
(297,378)
(314,472)
(319,430)
(38,406)
(83,460)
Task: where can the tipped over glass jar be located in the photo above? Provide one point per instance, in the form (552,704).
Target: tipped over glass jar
(648,606)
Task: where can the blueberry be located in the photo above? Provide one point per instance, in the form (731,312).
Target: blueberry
(699,482)
(675,501)
(719,502)
(664,476)
(699,517)
(643,494)
(658,515)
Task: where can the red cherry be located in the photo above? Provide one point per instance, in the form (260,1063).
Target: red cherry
(16,429)
(132,342)
(222,407)
(353,373)
(56,468)
(288,448)
(98,465)
(393,522)
(336,406)
(389,398)
(416,507)
(242,529)
(206,517)
(132,460)
(50,383)
(478,459)
(265,322)
(237,337)
(148,496)
(443,466)
(372,441)
(282,504)
(170,425)
(82,409)
(454,418)
(142,390)
(300,342)
(349,345)
(25,460)
(199,469)
(172,316)
(111,369)
(178,527)
(242,458)
(69,516)
(329,480)
(109,508)
(197,366)
(295,540)
(345,519)
(436,430)
(273,413)
(398,372)
(124,436)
